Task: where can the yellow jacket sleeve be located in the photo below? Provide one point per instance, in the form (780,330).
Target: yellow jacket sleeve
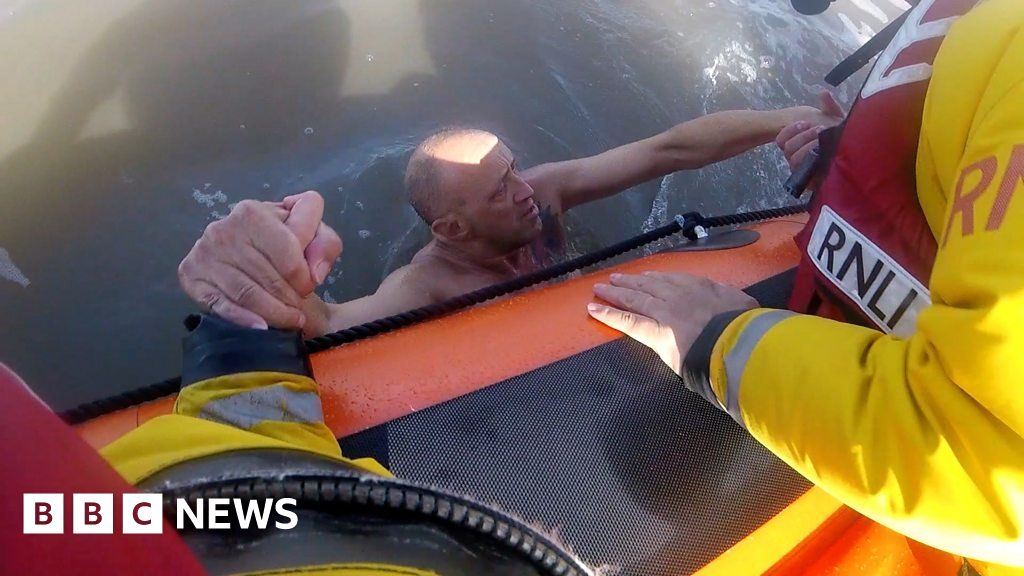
(245,389)
(925,434)
(233,412)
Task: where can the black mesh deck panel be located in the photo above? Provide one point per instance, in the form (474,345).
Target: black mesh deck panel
(607,449)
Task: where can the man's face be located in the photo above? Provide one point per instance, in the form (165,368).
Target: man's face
(498,205)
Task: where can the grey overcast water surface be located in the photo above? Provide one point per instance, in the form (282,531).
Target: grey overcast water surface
(126,126)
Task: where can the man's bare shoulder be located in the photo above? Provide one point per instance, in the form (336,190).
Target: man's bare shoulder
(416,277)
(412,276)
(403,290)
(431,279)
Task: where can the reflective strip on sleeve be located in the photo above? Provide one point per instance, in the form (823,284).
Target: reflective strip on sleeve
(737,357)
(275,403)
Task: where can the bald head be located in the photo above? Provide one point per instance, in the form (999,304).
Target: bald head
(429,178)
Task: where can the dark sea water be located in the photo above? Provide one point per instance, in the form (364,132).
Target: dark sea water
(127,126)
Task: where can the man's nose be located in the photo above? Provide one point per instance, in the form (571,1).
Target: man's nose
(522,191)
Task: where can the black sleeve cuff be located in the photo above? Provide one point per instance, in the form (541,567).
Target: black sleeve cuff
(215,347)
(696,372)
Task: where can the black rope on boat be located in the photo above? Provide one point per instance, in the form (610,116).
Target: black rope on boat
(91,410)
(687,224)
(690,222)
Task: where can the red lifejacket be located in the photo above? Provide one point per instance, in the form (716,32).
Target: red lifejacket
(43,457)
(867,251)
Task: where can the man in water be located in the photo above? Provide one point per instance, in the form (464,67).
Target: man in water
(490,221)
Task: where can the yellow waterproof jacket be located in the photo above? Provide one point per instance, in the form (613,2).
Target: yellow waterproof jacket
(923,434)
(228,413)
(252,410)
(251,390)
(248,410)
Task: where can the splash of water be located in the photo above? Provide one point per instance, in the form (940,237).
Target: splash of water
(869,7)
(659,214)
(659,207)
(9,270)
(209,200)
(863,33)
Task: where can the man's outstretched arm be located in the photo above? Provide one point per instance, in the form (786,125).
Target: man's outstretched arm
(687,146)
(403,290)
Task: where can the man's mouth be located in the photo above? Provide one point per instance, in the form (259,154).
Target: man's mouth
(532,212)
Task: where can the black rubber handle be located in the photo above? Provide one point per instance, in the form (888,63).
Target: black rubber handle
(797,182)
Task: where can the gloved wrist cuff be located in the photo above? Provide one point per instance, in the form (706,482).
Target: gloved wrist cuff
(215,347)
(696,370)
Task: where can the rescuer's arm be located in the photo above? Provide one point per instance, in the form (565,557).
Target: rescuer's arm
(690,145)
(243,389)
(924,434)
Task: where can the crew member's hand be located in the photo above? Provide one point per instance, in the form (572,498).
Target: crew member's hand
(665,312)
(260,264)
(797,139)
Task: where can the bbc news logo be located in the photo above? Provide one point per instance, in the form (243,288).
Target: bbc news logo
(142,514)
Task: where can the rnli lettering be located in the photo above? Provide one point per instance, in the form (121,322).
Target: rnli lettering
(880,287)
(977,179)
(1011,180)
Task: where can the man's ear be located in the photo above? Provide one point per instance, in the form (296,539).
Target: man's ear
(450,227)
